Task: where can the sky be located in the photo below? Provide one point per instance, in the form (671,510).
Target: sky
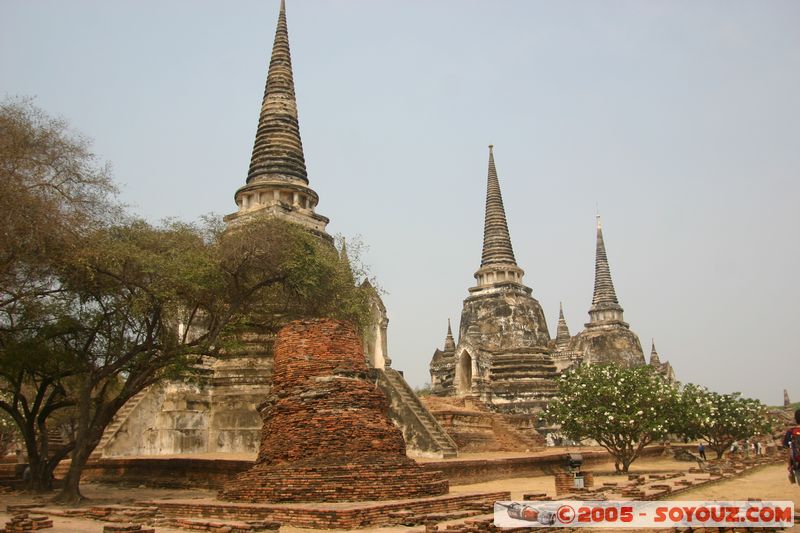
(678,121)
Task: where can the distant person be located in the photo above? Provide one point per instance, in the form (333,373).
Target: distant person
(792,441)
(701,450)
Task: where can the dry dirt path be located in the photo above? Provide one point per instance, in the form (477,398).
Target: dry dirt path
(766,483)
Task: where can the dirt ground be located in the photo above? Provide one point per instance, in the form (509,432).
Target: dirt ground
(768,483)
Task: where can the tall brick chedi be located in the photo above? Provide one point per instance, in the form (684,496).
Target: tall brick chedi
(326,434)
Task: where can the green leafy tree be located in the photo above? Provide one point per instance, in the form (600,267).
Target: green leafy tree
(276,272)
(722,419)
(149,301)
(53,192)
(98,307)
(622,409)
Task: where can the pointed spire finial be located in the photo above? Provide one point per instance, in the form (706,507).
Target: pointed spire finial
(449,342)
(605,306)
(346,259)
(562,331)
(654,358)
(496,239)
(278,150)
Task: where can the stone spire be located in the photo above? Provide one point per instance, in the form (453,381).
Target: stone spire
(346,258)
(278,150)
(277,182)
(654,359)
(605,307)
(496,240)
(786,401)
(562,333)
(449,342)
(497,258)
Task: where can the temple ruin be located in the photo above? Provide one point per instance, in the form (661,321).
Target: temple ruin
(217,411)
(326,433)
(504,355)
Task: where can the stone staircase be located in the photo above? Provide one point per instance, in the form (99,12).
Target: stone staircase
(507,432)
(421,431)
(117,422)
(476,428)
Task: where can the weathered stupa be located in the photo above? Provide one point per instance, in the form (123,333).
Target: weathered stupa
(217,413)
(326,434)
(607,337)
(502,355)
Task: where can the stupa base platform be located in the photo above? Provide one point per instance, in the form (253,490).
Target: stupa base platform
(370,476)
(342,515)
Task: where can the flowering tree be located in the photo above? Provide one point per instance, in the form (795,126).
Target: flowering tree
(722,419)
(623,409)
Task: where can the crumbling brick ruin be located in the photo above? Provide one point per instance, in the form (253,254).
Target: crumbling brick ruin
(326,434)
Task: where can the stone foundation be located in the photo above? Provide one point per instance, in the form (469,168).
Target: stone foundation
(342,516)
(476,429)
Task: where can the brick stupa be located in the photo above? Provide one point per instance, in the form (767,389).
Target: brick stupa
(326,434)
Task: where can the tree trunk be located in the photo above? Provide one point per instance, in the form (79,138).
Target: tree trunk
(71,491)
(626,464)
(41,475)
(88,435)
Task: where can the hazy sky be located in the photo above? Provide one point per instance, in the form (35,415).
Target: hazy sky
(679,119)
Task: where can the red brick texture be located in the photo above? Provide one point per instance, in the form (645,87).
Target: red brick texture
(326,434)
(347,516)
(565,482)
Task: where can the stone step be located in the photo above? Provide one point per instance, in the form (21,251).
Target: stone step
(116,423)
(466,523)
(237,526)
(442,516)
(412,403)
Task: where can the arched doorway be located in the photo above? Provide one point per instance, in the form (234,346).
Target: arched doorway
(464,373)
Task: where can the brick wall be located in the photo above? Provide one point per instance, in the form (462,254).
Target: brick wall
(326,434)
